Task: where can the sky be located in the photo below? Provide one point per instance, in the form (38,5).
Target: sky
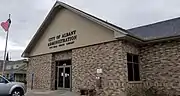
(27,15)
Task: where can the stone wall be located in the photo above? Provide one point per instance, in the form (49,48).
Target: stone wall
(41,67)
(128,47)
(111,57)
(62,55)
(161,65)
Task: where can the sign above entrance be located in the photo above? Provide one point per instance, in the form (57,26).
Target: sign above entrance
(62,39)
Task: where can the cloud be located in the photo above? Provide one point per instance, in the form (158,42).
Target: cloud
(10,46)
(13,54)
(27,15)
(129,13)
(13,49)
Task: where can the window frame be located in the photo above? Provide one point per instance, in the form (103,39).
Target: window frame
(132,61)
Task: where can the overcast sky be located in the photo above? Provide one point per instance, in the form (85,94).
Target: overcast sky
(27,15)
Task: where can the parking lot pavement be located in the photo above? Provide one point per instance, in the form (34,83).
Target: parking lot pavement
(50,93)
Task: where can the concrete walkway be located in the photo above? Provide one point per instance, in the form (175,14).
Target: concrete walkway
(50,93)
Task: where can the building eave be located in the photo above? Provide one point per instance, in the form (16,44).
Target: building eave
(39,31)
(162,39)
(142,41)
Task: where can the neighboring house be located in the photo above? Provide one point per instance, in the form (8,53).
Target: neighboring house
(75,50)
(15,70)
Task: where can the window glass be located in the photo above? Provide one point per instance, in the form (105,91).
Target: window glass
(129,58)
(135,59)
(2,80)
(136,72)
(130,72)
(133,67)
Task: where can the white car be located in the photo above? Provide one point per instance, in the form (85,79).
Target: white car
(11,88)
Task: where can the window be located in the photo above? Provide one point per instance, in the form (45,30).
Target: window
(133,67)
(8,67)
(2,80)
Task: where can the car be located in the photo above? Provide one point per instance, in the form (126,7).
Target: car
(8,88)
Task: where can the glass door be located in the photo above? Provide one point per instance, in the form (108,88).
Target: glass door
(67,77)
(64,77)
(60,76)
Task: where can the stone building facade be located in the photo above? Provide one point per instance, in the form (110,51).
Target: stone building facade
(40,66)
(160,65)
(96,57)
(15,70)
(111,57)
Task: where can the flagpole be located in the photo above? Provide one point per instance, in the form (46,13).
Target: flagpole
(5,51)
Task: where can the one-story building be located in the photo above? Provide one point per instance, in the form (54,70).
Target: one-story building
(74,50)
(15,70)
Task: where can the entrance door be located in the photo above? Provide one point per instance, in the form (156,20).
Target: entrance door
(60,77)
(67,77)
(64,77)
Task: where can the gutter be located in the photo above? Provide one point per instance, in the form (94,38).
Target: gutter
(162,39)
(143,41)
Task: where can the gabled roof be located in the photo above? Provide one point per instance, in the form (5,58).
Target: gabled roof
(56,8)
(164,29)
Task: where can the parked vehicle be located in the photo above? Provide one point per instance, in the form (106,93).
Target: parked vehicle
(11,88)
